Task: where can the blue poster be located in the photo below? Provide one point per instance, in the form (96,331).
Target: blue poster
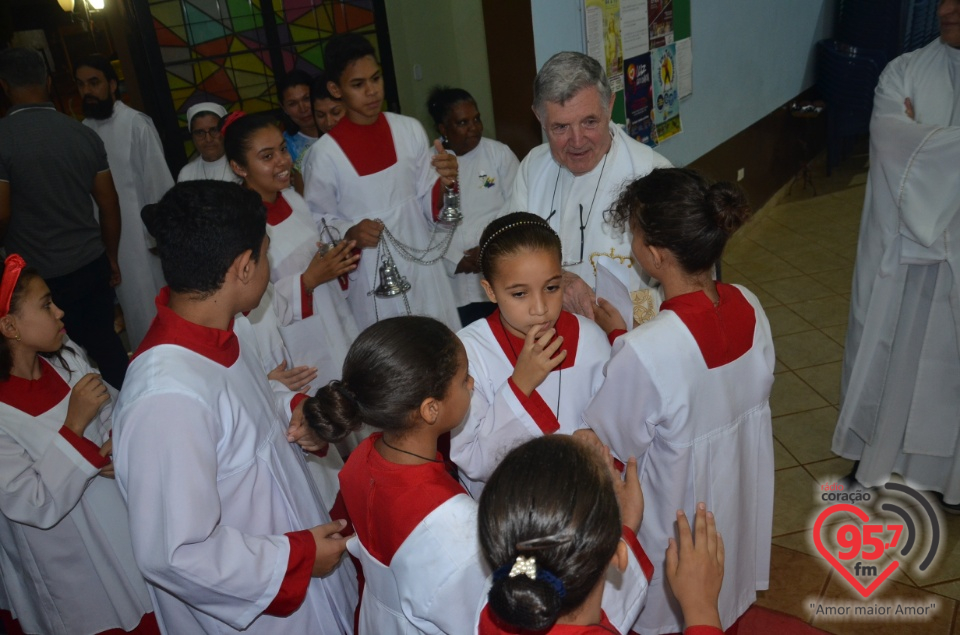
(638,99)
(666,99)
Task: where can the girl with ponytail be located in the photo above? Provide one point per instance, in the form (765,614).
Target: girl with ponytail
(688,392)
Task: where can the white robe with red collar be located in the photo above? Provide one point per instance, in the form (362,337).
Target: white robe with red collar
(687,393)
(342,188)
(67,562)
(217,497)
(501,416)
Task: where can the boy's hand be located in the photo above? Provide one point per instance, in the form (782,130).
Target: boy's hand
(330,547)
(695,569)
(445,164)
(86,398)
(296,379)
(537,358)
(366,233)
(607,317)
(629,493)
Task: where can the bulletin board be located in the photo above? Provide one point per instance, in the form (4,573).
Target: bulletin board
(646,49)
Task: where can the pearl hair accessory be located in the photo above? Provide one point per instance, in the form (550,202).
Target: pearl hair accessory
(524,566)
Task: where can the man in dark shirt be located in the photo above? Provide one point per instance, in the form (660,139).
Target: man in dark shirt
(50,166)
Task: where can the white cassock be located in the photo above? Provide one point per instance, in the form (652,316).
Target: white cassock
(687,393)
(212,486)
(501,417)
(141,177)
(486,176)
(416,540)
(901,368)
(67,563)
(346,180)
(545,188)
(201,170)
(624,595)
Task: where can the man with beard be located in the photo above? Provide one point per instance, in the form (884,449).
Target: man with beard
(50,166)
(210,164)
(141,176)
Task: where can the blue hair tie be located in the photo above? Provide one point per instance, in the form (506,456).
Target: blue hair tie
(528,567)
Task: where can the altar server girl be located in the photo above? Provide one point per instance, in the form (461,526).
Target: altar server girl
(376,166)
(688,392)
(416,531)
(553,532)
(536,366)
(67,556)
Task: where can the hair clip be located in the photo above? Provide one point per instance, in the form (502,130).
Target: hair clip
(521,223)
(229,119)
(524,566)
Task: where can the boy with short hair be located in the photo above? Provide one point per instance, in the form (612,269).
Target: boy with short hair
(218,498)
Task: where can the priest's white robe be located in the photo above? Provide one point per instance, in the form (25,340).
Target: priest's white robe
(400,195)
(67,564)
(212,486)
(201,170)
(141,177)
(486,176)
(547,189)
(501,417)
(900,410)
(699,433)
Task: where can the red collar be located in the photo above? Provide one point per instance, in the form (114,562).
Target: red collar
(370,149)
(277,211)
(567,325)
(35,396)
(490,624)
(724,332)
(167,327)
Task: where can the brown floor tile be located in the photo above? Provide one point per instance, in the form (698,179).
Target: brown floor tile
(825,379)
(948,589)
(946,566)
(817,260)
(799,289)
(829,311)
(795,502)
(892,594)
(831,470)
(781,457)
(791,394)
(741,248)
(783,321)
(771,268)
(807,435)
(837,333)
(796,580)
(810,348)
(840,280)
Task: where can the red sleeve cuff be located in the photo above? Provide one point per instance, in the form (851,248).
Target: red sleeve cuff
(614,334)
(293,590)
(631,539)
(702,630)
(85,447)
(436,199)
(297,398)
(537,408)
(306,301)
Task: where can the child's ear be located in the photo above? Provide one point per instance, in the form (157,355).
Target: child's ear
(621,558)
(239,171)
(7,327)
(489,291)
(430,410)
(244,266)
(334,89)
(659,254)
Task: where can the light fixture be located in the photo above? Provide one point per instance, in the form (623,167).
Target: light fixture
(96,5)
(66,5)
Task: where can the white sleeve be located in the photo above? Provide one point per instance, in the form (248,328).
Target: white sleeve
(426,175)
(519,200)
(623,412)
(288,299)
(508,167)
(168,471)
(624,594)
(41,493)
(321,187)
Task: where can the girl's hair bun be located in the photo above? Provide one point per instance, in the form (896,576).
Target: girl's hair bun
(528,604)
(333,413)
(729,205)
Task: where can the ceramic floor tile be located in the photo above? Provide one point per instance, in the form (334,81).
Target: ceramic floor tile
(779,367)
(741,248)
(781,457)
(829,311)
(732,275)
(803,542)
(947,564)
(839,280)
(766,300)
(948,589)
(771,268)
(831,470)
(816,260)
(890,594)
(795,503)
(825,379)
(796,580)
(783,321)
(810,348)
(798,289)
(807,435)
(791,394)
(837,333)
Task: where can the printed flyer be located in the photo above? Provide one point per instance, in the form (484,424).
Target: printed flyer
(666,100)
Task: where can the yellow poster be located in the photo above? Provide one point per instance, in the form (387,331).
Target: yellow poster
(603,38)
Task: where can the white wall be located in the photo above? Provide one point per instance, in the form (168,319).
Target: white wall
(749,58)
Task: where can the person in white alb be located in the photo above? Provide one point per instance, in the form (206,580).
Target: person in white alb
(574,178)
(228,529)
(203,124)
(141,176)
(901,366)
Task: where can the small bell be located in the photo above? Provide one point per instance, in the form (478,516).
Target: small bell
(391,282)
(451,214)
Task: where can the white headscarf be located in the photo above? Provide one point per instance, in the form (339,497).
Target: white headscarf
(204,106)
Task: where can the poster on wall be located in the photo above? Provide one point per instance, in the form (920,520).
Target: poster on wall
(634,33)
(638,99)
(666,100)
(603,38)
(661,23)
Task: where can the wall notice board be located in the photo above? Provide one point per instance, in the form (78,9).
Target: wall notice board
(646,49)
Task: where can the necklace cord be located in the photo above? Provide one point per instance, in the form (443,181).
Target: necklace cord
(395,449)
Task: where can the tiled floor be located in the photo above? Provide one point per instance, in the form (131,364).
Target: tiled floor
(797,255)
